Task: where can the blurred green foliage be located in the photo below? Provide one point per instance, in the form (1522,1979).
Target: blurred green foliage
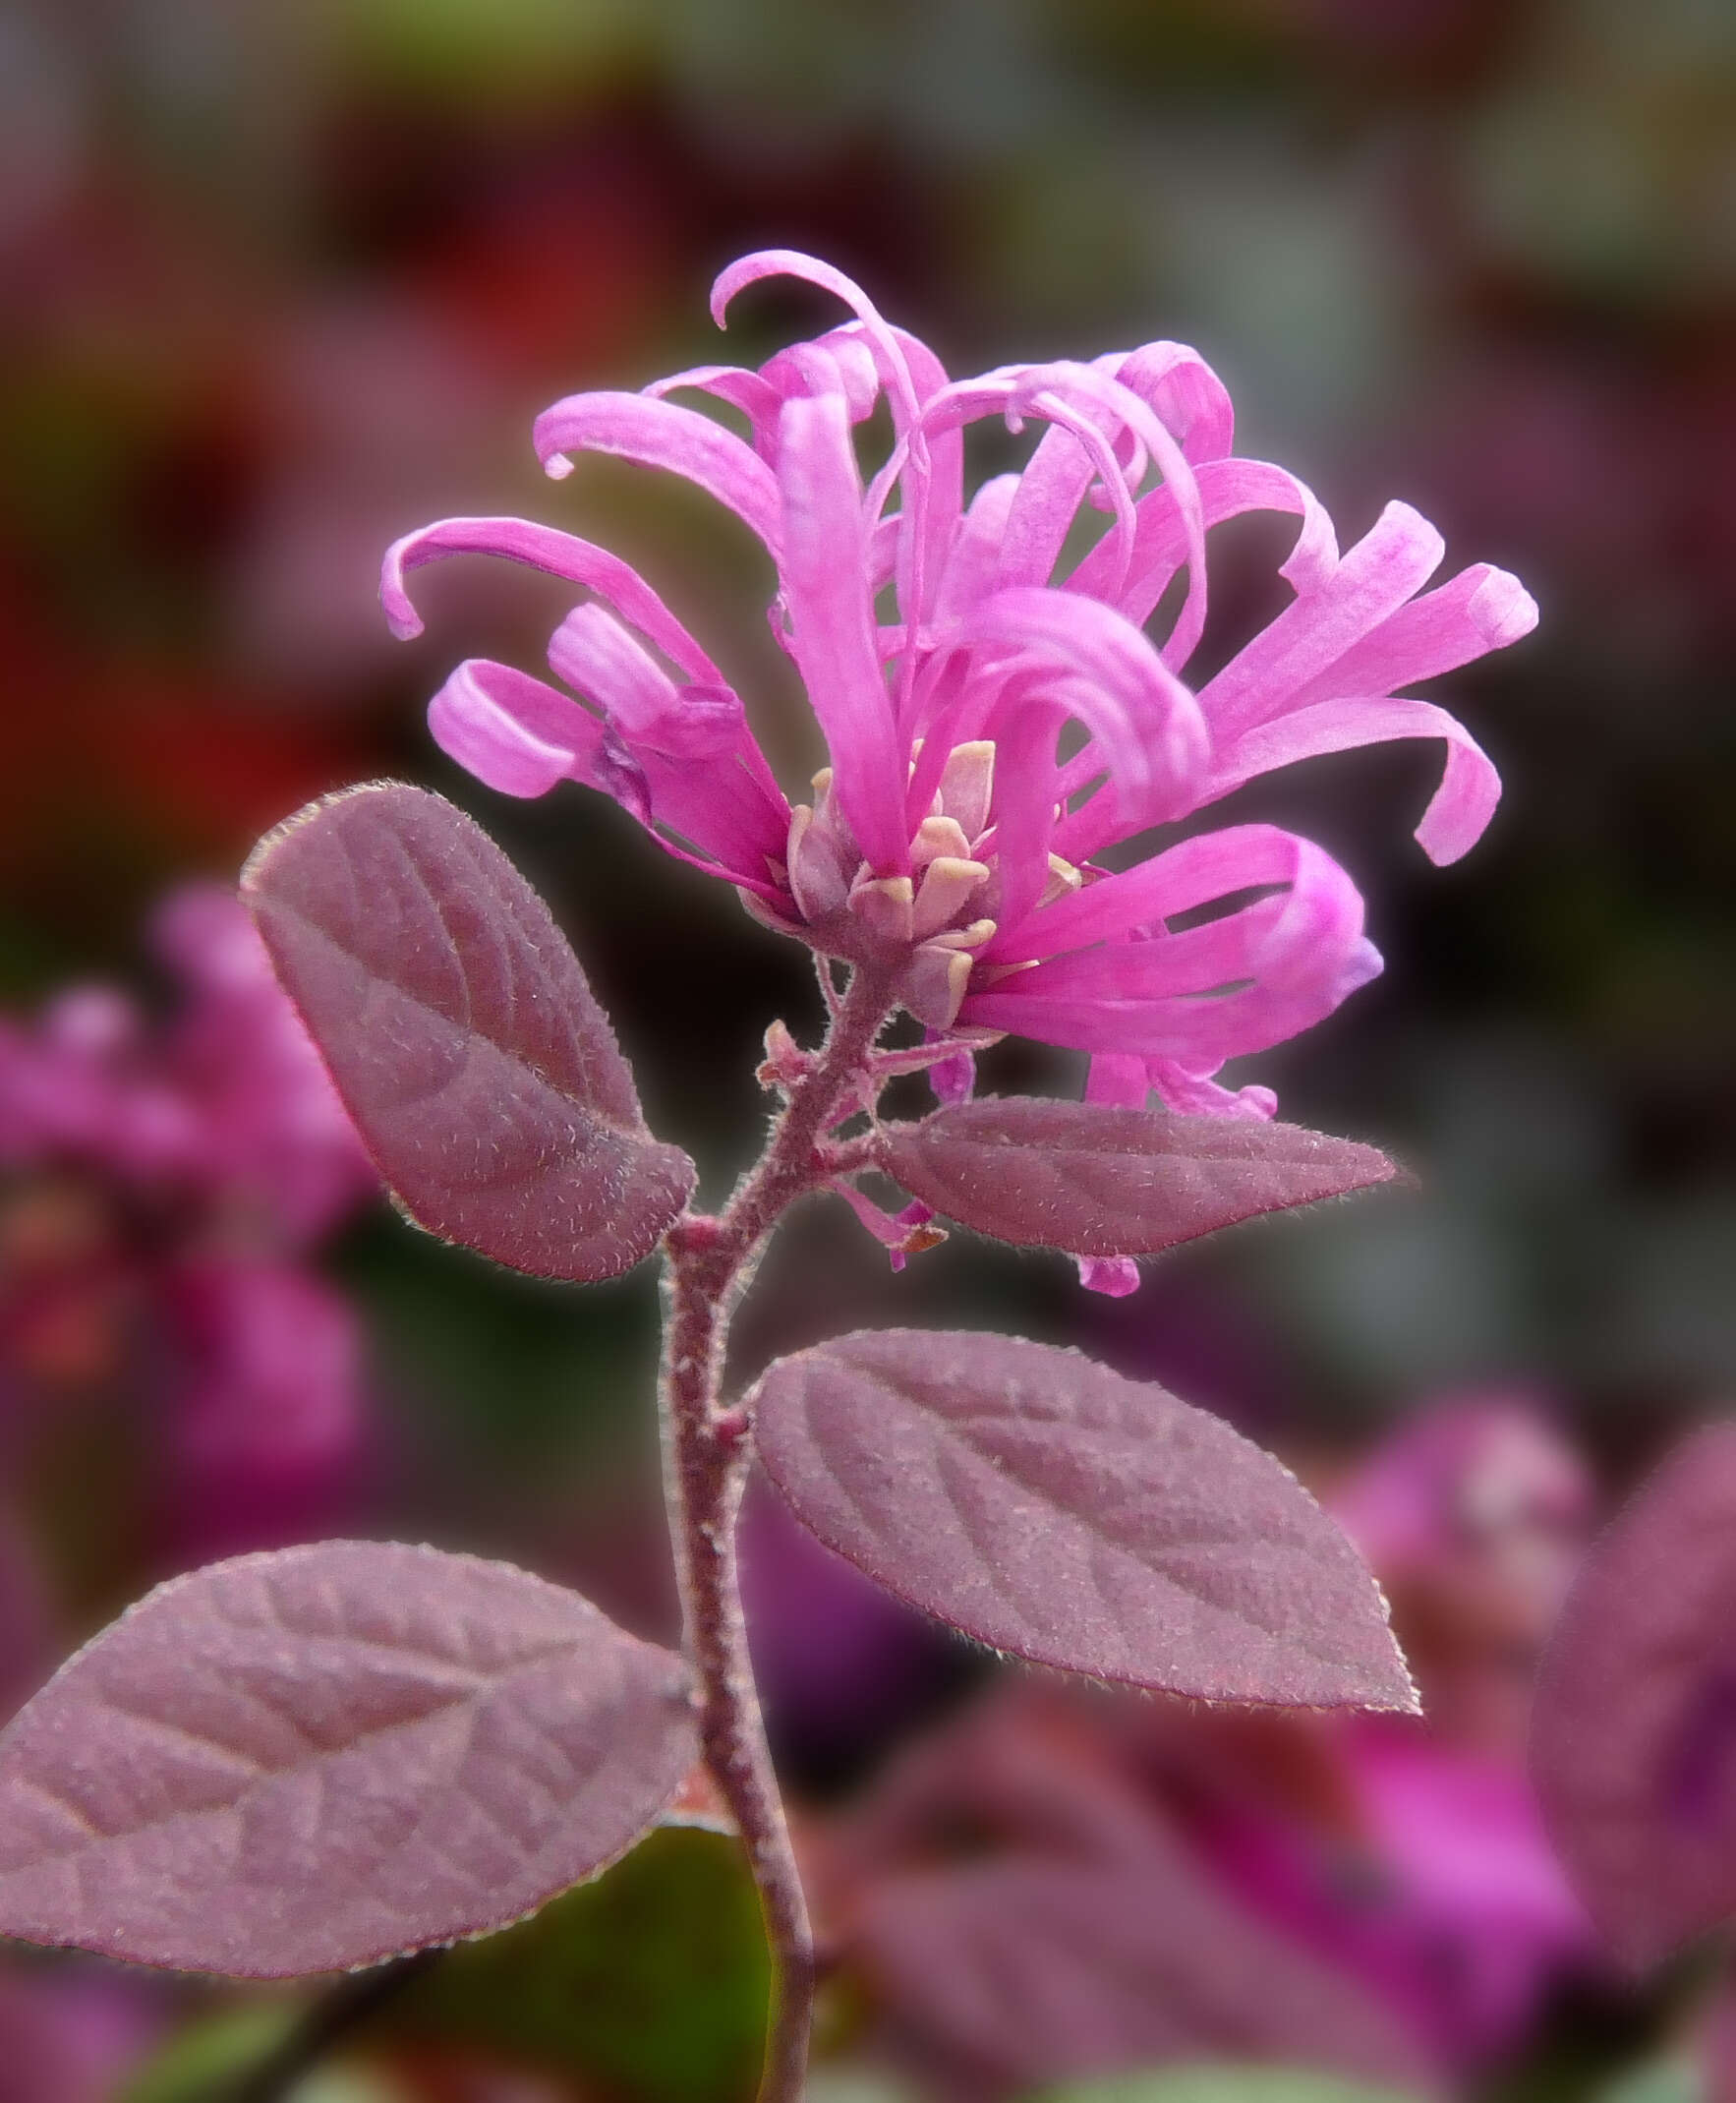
(1221,2084)
(649,1985)
(209,2058)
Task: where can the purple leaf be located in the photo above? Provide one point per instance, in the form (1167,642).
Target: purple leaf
(314,1758)
(1099,1180)
(1633,1728)
(1047,1506)
(461,1034)
(1014,1971)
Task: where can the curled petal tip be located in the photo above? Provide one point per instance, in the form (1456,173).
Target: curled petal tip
(400,616)
(1407,539)
(557,466)
(785,262)
(1443,847)
(1363,964)
(1503,610)
(723,289)
(747,269)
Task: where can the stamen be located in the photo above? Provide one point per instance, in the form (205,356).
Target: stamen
(948,885)
(817,883)
(885,905)
(935,836)
(967,783)
(1064,881)
(964,938)
(936,985)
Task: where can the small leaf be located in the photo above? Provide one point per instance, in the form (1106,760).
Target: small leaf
(1634,1726)
(318,1757)
(1014,1971)
(71,2035)
(1099,1180)
(1048,1507)
(461,1034)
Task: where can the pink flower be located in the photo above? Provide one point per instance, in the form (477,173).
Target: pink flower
(201,1162)
(999,717)
(228,1106)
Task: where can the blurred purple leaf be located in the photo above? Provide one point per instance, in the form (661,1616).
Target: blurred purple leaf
(1634,1726)
(71,2038)
(1099,1180)
(28,1643)
(1027,1968)
(1048,1507)
(462,1035)
(318,1757)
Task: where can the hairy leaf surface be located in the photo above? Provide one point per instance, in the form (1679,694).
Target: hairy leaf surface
(461,1034)
(1633,1728)
(1099,1180)
(1048,1507)
(319,1757)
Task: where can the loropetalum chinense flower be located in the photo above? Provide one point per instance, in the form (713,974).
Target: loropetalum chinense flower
(1003,712)
(166,1187)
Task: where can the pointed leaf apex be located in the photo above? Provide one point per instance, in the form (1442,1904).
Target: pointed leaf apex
(1100,1180)
(461,1034)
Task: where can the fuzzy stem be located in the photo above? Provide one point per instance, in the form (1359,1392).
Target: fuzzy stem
(707,1447)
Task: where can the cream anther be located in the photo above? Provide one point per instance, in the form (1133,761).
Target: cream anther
(817,879)
(964,938)
(1064,880)
(936,984)
(884,904)
(935,836)
(948,883)
(967,784)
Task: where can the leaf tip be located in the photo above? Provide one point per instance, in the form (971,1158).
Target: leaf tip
(266,846)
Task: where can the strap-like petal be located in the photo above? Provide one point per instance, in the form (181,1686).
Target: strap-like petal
(831,637)
(1387,567)
(1228,488)
(1144,722)
(517,736)
(1138,900)
(561,555)
(1233,985)
(889,353)
(1481,609)
(664,434)
(1184,392)
(1458,813)
(707,777)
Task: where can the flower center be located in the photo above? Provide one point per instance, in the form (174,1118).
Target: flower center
(944,911)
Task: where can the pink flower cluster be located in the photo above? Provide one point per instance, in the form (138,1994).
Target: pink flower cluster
(209,1155)
(1000,717)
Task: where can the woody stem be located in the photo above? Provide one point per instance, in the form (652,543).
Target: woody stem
(708,1263)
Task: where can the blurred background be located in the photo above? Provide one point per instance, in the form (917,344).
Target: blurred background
(279,282)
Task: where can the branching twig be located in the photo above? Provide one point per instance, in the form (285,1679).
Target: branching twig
(709,1261)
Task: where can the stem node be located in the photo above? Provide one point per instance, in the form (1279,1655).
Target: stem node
(707,1447)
